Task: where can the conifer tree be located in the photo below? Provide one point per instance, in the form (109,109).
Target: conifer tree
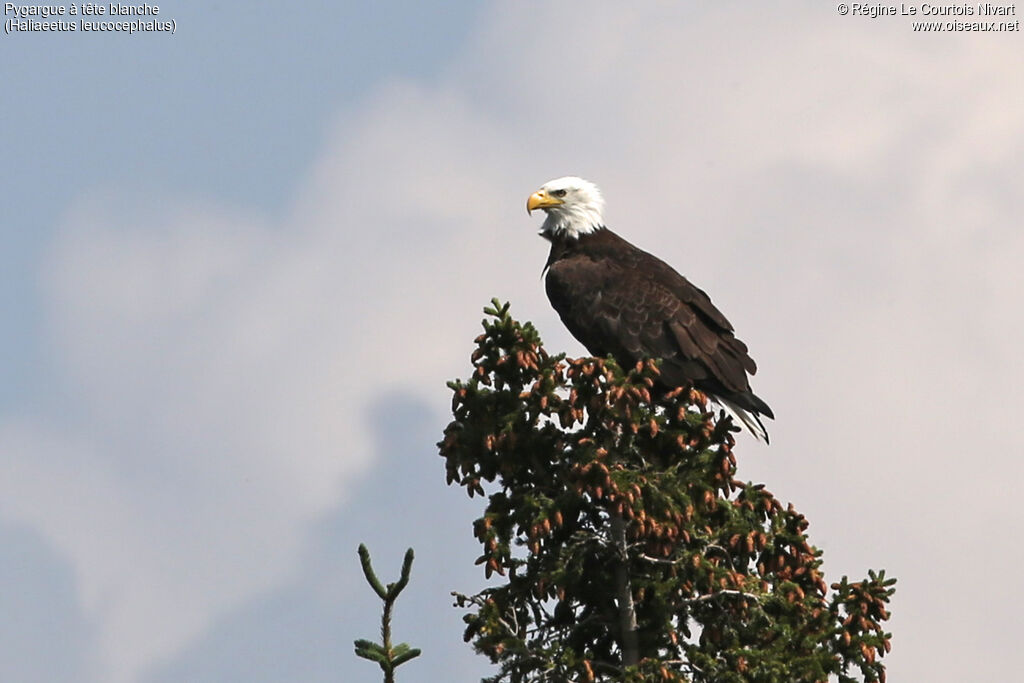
(387,655)
(623,545)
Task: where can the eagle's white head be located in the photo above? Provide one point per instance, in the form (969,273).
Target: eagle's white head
(574,207)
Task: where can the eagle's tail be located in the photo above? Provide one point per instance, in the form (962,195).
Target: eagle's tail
(747,418)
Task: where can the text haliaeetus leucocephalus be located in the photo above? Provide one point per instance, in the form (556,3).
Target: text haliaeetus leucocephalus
(619,300)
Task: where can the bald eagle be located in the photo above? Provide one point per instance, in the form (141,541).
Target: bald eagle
(619,300)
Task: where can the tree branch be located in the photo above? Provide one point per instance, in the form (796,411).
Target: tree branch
(718,594)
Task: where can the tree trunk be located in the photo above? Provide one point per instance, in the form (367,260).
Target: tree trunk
(624,596)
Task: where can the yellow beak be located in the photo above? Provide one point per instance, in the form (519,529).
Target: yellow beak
(541,200)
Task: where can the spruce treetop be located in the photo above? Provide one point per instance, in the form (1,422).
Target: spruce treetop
(619,542)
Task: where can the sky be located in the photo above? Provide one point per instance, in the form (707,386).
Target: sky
(241,261)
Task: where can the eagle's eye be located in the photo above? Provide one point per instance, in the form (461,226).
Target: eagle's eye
(558,193)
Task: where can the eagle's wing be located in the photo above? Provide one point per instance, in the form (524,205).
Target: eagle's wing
(647,310)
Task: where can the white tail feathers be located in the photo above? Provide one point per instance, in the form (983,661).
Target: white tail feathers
(743,416)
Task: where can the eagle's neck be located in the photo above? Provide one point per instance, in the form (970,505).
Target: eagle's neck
(562,240)
(572,222)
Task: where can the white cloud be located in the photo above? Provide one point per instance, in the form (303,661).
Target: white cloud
(846,191)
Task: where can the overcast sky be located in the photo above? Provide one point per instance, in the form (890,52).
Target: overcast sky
(241,261)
